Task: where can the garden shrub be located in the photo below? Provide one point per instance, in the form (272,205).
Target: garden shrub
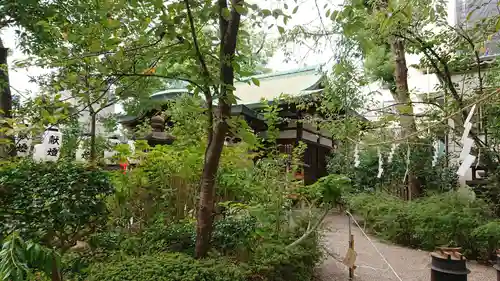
(487,240)
(166,181)
(167,267)
(386,215)
(174,237)
(236,256)
(275,263)
(53,203)
(269,262)
(230,233)
(233,233)
(447,219)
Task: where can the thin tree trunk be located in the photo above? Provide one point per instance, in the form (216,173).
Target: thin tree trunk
(407,120)
(207,192)
(6,150)
(93,149)
(56,273)
(229,34)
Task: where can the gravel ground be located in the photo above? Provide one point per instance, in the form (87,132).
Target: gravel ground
(410,264)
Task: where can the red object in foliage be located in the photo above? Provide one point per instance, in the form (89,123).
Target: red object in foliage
(124,167)
(299,176)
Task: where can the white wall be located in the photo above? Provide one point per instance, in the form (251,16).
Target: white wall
(84,116)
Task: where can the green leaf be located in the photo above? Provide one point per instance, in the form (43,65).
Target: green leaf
(240,9)
(226,14)
(497,26)
(333,16)
(295,10)
(95,46)
(277,13)
(243,32)
(231,99)
(281,29)
(112,23)
(470,14)
(236,67)
(256,81)
(266,12)
(158,3)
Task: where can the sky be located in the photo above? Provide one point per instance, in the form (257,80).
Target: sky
(18,78)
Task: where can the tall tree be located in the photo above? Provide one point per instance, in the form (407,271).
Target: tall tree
(23,14)
(367,24)
(5,104)
(229,23)
(117,43)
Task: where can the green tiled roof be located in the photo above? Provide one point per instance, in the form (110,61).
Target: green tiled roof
(272,75)
(168,94)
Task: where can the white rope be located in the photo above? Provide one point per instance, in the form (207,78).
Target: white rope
(478,157)
(407,164)
(375,247)
(338,259)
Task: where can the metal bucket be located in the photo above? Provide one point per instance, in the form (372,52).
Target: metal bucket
(448,265)
(497,265)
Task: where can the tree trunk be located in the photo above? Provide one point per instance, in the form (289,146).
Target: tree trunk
(229,34)
(207,191)
(405,109)
(56,273)
(6,150)
(93,149)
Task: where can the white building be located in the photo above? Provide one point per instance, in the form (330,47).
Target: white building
(84,115)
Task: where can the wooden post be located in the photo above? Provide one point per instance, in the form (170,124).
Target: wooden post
(351,246)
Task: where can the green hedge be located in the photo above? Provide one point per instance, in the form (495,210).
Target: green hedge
(269,263)
(447,219)
(52,202)
(167,267)
(164,252)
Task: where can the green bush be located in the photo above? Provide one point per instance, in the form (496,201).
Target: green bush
(236,256)
(487,239)
(233,233)
(386,215)
(447,219)
(160,237)
(52,203)
(270,262)
(275,263)
(167,267)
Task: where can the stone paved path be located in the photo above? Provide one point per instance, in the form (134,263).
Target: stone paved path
(410,264)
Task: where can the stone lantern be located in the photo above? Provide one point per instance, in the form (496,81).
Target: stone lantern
(158,136)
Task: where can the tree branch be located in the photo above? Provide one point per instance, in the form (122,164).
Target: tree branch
(446,78)
(310,230)
(160,76)
(261,45)
(201,60)
(127,50)
(476,55)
